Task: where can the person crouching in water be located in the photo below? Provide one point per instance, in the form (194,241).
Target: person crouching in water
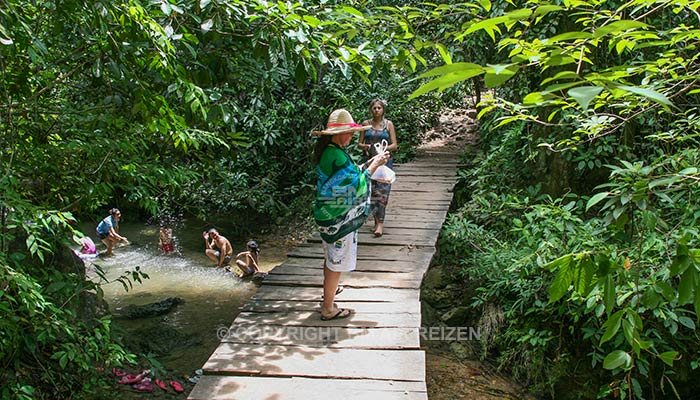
(108,230)
(218,249)
(249,265)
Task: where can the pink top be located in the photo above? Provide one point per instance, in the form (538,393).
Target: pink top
(88,246)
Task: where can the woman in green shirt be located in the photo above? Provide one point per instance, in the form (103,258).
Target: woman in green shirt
(342,203)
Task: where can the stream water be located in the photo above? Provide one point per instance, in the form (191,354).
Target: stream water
(186,336)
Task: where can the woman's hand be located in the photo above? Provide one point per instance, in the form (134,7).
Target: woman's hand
(377,161)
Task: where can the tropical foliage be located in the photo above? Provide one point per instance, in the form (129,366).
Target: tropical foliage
(579,215)
(581,221)
(201,108)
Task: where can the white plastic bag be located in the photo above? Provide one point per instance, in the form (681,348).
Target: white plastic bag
(384,174)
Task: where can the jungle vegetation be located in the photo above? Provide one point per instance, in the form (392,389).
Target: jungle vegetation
(577,218)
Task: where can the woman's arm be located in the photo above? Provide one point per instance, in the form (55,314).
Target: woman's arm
(113,232)
(360,141)
(392,135)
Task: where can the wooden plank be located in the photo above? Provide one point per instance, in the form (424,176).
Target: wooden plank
(273,388)
(375,253)
(312,318)
(394,338)
(377,307)
(317,270)
(392,220)
(427,215)
(316,265)
(407,219)
(405,197)
(429,238)
(423,187)
(269,292)
(440,209)
(355,280)
(303,361)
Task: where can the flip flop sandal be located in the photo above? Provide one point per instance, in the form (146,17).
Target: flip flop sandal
(143,386)
(117,372)
(338,315)
(177,386)
(129,379)
(161,384)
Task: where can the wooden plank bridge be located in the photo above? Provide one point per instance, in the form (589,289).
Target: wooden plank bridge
(278,347)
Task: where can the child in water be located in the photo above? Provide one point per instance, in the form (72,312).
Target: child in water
(249,265)
(87,248)
(166,239)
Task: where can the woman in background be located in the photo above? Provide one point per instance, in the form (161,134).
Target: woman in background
(381,129)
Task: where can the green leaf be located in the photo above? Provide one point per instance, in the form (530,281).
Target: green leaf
(629,332)
(618,26)
(459,67)
(561,75)
(687,322)
(609,294)
(694,255)
(584,94)
(668,357)
(496,75)
(560,284)
(444,82)
(486,4)
(616,359)
(612,325)
(679,265)
(686,286)
(444,53)
(584,276)
(351,10)
(596,199)
(570,36)
(300,74)
(696,304)
(603,263)
(559,262)
(542,10)
(648,93)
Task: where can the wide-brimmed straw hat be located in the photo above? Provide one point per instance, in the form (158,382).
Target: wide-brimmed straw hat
(340,121)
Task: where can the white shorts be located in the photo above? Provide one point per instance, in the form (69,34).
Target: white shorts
(341,255)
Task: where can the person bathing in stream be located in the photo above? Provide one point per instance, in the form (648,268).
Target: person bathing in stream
(218,249)
(108,230)
(166,241)
(249,263)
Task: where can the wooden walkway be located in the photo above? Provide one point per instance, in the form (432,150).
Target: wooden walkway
(278,347)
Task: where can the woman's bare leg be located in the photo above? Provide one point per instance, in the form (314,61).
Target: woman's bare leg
(330,285)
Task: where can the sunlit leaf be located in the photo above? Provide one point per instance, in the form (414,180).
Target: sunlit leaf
(584,94)
(648,93)
(445,81)
(496,75)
